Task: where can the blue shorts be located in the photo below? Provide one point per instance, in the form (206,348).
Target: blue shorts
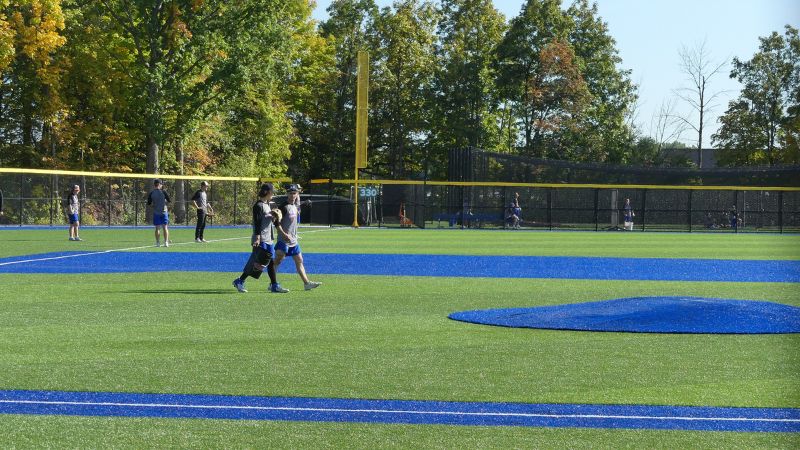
(73,218)
(161,219)
(268,247)
(289,251)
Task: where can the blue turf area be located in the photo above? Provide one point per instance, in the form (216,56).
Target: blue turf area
(649,315)
(420,265)
(399,411)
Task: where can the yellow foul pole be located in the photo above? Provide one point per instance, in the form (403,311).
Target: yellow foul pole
(362,100)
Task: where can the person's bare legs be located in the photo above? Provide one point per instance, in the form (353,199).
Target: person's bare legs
(301,269)
(158,236)
(278,259)
(166,235)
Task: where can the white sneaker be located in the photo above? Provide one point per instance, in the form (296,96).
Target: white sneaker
(166,244)
(158,244)
(311,285)
(198,240)
(204,241)
(71,239)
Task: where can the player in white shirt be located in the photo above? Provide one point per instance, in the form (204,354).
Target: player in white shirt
(287,236)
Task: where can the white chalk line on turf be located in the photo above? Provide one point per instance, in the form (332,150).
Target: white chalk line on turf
(401,411)
(100,252)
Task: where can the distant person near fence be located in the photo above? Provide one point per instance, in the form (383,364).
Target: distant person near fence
(628,215)
(200,202)
(733,215)
(513,215)
(159,199)
(73,209)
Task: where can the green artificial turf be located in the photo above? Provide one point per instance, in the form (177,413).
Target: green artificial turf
(378,337)
(414,241)
(97,432)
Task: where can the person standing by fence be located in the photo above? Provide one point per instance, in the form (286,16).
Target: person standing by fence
(159,199)
(200,202)
(628,215)
(513,215)
(734,217)
(73,209)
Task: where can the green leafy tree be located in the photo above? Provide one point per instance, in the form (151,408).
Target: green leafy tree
(603,133)
(98,128)
(30,94)
(7,34)
(190,55)
(347,27)
(467,107)
(518,59)
(557,96)
(308,95)
(761,126)
(402,68)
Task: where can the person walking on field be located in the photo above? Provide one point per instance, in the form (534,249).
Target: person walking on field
(73,205)
(264,219)
(200,202)
(159,199)
(287,236)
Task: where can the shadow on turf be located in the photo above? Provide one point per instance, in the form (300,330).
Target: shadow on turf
(183,291)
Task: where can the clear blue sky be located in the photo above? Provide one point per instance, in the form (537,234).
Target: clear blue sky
(649,34)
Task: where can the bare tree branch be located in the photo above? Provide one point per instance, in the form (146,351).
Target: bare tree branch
(696,63)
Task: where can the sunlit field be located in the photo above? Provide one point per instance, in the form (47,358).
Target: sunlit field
(188,331)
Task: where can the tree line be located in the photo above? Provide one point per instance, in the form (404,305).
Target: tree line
(257,87)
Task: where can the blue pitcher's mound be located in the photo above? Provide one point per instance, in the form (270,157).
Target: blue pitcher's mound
(649,315)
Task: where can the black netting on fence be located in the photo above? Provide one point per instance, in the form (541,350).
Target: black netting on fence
(39,200)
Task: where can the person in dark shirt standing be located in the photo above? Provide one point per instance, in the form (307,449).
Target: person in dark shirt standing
(200,201)
(264,219)
(513,215)
(159,199)
(734,217)
(628,215)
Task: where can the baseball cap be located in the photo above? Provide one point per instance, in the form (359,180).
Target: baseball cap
(157,181)
(294,188)
(265,189)
(204,183)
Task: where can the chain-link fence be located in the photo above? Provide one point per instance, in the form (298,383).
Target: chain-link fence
(108,200)
(565,207)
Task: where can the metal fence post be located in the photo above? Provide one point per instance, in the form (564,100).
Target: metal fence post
(596,200)
(690,211)
(235,202)
(108,203)
(21,201)
(550,208)
(644,207)
(330,200)
(780,211)
(135,202)
(52,184)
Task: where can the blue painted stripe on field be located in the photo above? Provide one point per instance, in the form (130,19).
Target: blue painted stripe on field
(593,268)
(399,411)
